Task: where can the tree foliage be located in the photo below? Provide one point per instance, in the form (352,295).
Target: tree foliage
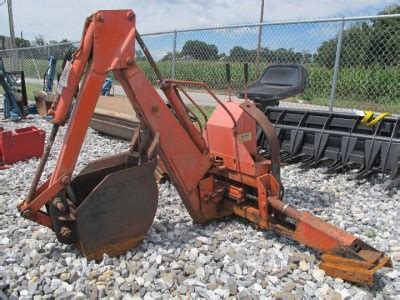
(281,55)
(199,50)
(22,43)
(366,43)
(168,57)
(39,40)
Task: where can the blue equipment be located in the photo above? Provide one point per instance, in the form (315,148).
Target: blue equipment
(49,75)
(13,83)
(107,85)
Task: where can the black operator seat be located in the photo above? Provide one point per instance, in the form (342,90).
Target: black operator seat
(276,83)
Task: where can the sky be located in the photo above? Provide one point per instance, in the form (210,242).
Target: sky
(59,19)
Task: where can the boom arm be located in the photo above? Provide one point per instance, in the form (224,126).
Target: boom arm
(216,174)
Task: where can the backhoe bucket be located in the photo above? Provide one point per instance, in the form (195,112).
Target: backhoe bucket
(120,202)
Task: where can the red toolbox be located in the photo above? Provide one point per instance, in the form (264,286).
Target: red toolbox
(21,144)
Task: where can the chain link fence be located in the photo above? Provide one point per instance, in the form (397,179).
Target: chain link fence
(34,62)
(351,62)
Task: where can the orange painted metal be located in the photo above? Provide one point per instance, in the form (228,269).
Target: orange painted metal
(321,235)
(217,174)
(234,140)
(184,162)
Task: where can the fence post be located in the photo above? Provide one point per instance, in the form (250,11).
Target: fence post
(336,67)
(174,55)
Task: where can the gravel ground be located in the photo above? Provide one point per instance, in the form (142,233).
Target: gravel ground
(180,259)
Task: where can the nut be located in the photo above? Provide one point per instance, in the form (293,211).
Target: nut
(66,180)
(130,61)
(59,205)
(131,16)
(65,231)
(100,17)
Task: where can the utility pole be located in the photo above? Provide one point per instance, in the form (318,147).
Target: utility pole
(260,35)
(13,55)
(11,22)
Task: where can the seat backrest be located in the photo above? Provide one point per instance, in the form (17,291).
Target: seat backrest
(276,83)
(284,75)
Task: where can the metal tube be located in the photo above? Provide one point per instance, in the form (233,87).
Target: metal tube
(336,67)
(42,163)
(149,57)
(174,56)
(260,29)
(284,208)
(394,16)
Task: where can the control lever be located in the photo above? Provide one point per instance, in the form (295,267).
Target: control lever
(246,79)
(228,79)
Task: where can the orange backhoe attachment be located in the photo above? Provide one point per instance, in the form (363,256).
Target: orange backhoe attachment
(110,205)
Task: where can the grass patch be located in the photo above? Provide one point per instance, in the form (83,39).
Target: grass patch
(373,88)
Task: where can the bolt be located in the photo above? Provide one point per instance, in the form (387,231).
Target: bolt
(100,17)
(130,61)
(65,231)
(27,214)
(65,180)
(131,16)
(154,108)
(59,205)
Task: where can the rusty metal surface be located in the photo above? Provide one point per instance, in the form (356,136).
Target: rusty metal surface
(353,270)
(270,133)
(96,170)
(42,163)
(118,212)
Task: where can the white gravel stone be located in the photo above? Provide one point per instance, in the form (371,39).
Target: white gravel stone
(319,275)
(158,259)
(178,259)
(4,241)
(345,293)
(304,266)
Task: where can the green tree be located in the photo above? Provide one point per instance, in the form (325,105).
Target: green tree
(168,56)
(280,56)
(384,45)
(365,44)
(39,40)
(199,50)
(241,54)
(22,43)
